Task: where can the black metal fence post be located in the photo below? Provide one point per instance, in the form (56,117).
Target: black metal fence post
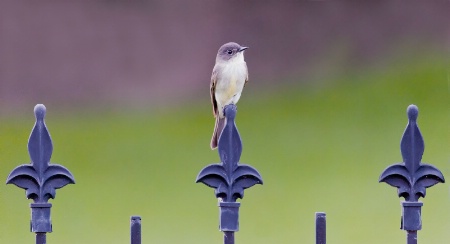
(412,177)
(40,178)
(321,228)
(135,226)
(41,238)
(229,178)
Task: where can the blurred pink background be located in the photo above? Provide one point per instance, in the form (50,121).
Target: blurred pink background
(148,53)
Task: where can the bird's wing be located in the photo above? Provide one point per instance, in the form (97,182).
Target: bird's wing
(213,90)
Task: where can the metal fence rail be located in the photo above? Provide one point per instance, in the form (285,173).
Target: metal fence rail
(229,178)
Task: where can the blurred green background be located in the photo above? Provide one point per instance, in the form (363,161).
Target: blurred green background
(320,134)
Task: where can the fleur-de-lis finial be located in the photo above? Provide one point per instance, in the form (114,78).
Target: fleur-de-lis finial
(40,178)
(229,178)
(411,177)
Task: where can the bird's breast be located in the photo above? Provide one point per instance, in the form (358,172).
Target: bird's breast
(230,82)
(232,79)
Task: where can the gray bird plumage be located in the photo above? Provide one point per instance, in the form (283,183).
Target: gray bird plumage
(228,78)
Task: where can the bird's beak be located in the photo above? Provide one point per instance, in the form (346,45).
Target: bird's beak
(242,49)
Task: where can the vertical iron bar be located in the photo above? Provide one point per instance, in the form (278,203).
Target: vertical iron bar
(412,177)
(411,237)
(229,178)
(135,225)
(228,237)
(40,178)
(41,238)
(321,228)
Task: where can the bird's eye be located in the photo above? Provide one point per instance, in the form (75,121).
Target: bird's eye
(229,51)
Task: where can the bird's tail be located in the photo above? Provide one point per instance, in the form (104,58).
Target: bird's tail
(218,128)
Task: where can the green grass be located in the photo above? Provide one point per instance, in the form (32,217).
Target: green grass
(317,150)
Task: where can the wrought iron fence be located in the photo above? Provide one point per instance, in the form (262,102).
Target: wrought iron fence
(229,178)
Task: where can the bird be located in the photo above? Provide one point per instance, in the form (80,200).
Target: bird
(229,76)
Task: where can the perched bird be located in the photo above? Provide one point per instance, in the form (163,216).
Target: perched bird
(228,78)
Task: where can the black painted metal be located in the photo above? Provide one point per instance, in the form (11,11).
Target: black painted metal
(229,178)
(41,238)
(321,228)
(411,177)
(411,237)
(135,226)
(40,179)
(228,237)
